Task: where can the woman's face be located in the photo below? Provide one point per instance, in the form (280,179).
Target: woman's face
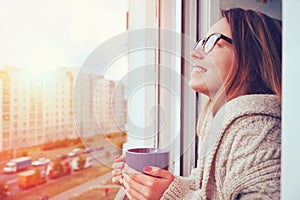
(212,68)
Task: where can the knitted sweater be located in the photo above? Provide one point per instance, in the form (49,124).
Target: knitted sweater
(240,156)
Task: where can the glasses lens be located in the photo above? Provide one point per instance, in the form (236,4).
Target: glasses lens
(199,44)
(210,43)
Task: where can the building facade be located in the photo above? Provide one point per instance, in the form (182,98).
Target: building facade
(39,109)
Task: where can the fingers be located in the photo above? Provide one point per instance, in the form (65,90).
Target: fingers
(116,172)
(120,159)
(135,175)
(117,180)
(132,195)
(138,178)
(133,189)
(158,172)
(133,182)
(118,165)
(117,176)
(142,186)
(145,179)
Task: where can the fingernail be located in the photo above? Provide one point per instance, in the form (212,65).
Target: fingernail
(147,169)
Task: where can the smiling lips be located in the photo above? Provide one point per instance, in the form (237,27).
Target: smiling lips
(199,69)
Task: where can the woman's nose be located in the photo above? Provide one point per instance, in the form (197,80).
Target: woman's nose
(197,54)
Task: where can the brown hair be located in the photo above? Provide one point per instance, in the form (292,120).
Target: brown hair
(258,52)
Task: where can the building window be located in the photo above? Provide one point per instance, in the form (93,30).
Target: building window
(5,135)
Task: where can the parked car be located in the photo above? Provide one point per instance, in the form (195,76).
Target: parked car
(86,163)
(75,152)
(40,162)
(87,150)
(62,156)
(58,168)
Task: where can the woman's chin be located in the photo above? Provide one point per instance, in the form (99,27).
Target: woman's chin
(198,86)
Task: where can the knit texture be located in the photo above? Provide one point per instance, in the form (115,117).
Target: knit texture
(240,157)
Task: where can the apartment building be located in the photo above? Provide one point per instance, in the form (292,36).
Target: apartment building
(39,109)
(99,105)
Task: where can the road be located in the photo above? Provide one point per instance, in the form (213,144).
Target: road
(95,183)
(97,158)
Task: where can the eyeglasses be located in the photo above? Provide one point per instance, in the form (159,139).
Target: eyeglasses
(208,43)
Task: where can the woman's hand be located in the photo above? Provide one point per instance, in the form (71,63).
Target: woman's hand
(118,166)
(144,187)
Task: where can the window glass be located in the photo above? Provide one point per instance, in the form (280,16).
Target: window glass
(44,46)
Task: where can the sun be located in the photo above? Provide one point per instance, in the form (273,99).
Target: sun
(38,72)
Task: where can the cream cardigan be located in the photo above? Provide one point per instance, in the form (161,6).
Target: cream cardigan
(240,157)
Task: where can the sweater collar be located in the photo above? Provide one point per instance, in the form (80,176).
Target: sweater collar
(260,104)
(233,109)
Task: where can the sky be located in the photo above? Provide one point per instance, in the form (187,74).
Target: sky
(42,34)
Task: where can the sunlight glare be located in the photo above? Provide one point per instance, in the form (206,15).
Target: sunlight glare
(38,72)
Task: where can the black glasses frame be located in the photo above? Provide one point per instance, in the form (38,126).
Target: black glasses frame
(203,41)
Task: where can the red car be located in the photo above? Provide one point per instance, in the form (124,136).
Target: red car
(57,169)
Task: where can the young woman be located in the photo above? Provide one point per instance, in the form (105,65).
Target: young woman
(238,66)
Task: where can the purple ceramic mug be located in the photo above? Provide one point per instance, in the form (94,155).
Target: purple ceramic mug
(138,158)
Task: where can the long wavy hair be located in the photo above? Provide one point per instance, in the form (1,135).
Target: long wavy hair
(257,44)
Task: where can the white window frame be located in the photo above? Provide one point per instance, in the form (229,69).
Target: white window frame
(186,23)
(181,17)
